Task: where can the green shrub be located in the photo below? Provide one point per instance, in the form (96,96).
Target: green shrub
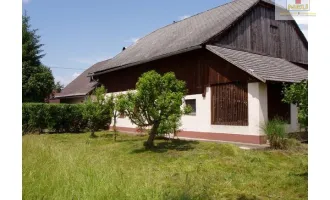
(58,118)
(297,93)
(275,131)
(34,117)
(98,110)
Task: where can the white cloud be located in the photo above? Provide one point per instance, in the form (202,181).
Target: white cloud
(132,40)
(184,17)
(26,1)
(65,80)
(75,75)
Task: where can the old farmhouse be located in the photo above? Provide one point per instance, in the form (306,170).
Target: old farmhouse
(234,59)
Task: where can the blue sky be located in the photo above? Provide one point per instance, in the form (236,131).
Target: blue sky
(77,34)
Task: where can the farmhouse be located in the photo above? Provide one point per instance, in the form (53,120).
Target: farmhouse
(234,59)
(80,87)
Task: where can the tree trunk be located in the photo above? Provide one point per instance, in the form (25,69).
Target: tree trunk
(114,127)
(152,135)
(93,133)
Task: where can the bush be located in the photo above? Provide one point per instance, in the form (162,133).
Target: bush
(297,93)
(98,110)
(275,131)
(36,117)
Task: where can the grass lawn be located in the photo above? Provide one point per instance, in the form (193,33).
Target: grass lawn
(74,166)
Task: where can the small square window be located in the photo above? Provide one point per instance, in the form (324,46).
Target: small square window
(273,29)
(192,103)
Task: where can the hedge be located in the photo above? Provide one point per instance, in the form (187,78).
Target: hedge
(58,118)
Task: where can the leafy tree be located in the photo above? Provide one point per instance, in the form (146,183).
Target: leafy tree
(37,79)
(156,103)
(297,93)
(58,86)
(113,106)
(97,110)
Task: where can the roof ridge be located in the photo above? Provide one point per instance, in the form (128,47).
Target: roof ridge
(148,46)
(233,1)
(228,26)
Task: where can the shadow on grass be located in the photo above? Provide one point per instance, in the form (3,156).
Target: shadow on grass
(304,175)
(203,196)
(185,196)
(93,136)
(241,197)
(244,197)
(122,137)
(164,146)
(110,135)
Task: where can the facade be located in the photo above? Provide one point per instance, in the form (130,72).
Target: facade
(234,59)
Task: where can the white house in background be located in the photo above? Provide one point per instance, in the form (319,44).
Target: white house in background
(234,59)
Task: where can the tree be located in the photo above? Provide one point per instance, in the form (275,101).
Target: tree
(156,103)
(113,107)
(58,86)
(297,93)
(97,110)
(37,79)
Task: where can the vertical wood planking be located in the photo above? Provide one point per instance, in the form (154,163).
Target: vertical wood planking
(229,104)
(253,34)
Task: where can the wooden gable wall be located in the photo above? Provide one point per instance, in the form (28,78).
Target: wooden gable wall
(259,32)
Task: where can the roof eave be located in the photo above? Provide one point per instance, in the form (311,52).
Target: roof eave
(70,96)
(230,61)
(146,60)
(284,81)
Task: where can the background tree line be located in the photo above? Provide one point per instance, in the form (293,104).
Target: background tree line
(37,79)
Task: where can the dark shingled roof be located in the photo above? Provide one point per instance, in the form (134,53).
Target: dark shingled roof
(181,36)
(81,86)
(264,68)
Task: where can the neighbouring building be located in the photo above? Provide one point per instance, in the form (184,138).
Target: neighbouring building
(51,98)
(234,59)
(80,87)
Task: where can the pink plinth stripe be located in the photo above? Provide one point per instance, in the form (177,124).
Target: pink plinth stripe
(251,139)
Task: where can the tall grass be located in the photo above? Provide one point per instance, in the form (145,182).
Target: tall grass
(276,134)
(73,166)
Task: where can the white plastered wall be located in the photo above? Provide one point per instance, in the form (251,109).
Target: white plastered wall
(122,122)
(201,122)
(294,125)
(257,113)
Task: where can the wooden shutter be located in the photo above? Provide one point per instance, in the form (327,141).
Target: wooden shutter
(229,104)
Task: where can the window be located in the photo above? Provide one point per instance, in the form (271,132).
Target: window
(273,29)
(275,41)
(192,104)
(229,104)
